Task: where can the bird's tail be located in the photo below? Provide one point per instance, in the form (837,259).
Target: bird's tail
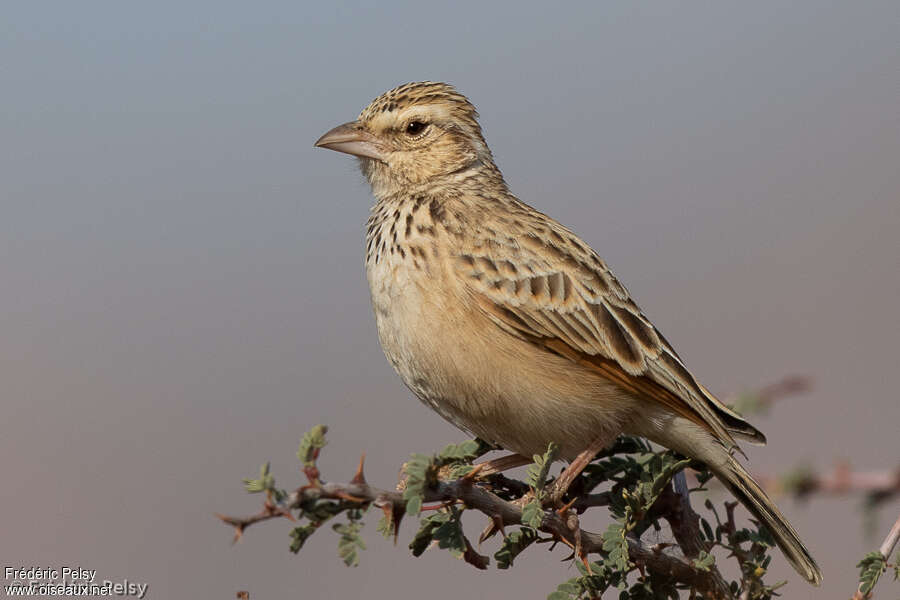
(750,494)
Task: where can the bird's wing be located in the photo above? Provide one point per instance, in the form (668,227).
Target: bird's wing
(557,293)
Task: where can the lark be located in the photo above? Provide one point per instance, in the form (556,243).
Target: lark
(506,323)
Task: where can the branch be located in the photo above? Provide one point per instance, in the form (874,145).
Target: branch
(890,542)
(764,398)
(880,485)
(504,513)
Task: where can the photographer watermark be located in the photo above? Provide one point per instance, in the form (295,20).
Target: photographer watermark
(66,581)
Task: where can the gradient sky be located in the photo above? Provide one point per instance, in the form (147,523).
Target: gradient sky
(182,273)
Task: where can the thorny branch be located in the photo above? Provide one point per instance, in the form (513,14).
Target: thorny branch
(477,491)
(508,513)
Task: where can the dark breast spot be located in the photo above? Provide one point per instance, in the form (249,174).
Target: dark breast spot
(436,210)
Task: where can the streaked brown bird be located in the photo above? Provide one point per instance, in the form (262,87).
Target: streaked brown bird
(509,325)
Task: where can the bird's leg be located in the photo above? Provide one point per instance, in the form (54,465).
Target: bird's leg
(504,463)
(570,473)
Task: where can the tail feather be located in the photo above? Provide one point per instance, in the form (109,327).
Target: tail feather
(688,438)
(751,495)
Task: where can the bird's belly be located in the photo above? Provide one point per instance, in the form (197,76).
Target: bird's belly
(481,378)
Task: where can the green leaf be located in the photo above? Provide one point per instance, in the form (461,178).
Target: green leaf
(616,545)
(265,482)
(442,527)
(705,561)
(870,568)
(299,535)
(537,473)
(385,527)
(567,590)
(466,451)
(513,545)
(419,472)
(312,441)
(423,537)
(460,470)
(670,465)
(533,514)
(350,542)
(449,536)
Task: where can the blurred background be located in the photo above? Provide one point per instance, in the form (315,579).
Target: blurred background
(183,292)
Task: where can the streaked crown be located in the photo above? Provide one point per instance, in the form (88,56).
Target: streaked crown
(422,93)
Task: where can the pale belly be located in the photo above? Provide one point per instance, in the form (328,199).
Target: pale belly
(483,379)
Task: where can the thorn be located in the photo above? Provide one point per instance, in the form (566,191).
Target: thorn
(498,521)
(238,534)
(562,511)
(348,497)
(566,542)
(360,477)
(472,475)
(493,526)
(394,515)
(586,563)
(287,515)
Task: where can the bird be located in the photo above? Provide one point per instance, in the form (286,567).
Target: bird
(506,323)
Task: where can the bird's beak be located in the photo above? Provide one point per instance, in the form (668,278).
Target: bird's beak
(352,138)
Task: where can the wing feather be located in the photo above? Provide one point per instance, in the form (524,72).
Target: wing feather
(564,298)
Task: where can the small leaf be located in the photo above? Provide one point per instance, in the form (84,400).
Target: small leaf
(870,567)
(449,536)
(265,482)
(419,471)
(312,441)
(299,535)
(533,514)
(350,542)
(537,472)
(466,451)
(705,561)
(616,545)
(385,527)
(414,505)
(423,537)
(513,545)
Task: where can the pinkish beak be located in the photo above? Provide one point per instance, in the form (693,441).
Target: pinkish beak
(352,138)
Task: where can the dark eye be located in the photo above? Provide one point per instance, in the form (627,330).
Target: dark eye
(415,127)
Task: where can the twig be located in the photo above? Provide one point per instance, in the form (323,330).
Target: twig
(886,549)
(890,542)
(685,523)
(841,480)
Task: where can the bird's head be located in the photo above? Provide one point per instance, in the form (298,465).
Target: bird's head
(416,134)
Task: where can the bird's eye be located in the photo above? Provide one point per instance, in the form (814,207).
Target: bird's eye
(415,127)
